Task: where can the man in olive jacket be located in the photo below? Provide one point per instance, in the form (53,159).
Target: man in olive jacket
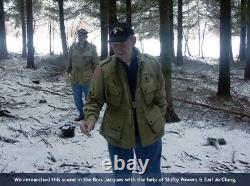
(83,60)
(132,86)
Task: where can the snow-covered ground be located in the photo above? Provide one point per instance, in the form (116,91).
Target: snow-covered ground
(31,141)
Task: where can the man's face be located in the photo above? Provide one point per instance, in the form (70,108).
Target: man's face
(123,50)
(82,38)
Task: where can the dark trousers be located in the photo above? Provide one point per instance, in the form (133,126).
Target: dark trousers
(151,152)
(78,91)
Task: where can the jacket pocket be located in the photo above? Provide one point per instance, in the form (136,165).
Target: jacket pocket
(148,89)
(154,118)
(114,94)
(113,123)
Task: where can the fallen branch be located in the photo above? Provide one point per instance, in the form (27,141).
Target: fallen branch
(239,113)
(3,169)
(7,140)
(40,89)
(165,166)
(179,166)
(42,131)
(163,157)
(69,165)
(243,162)
(174,132)
(19,130)
(5,113)
(192,156)
(46,142)
(58,107)
(75,165)
(35,119)
(223,167)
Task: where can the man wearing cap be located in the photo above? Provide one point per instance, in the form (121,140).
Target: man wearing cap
(132,86)
(83,60)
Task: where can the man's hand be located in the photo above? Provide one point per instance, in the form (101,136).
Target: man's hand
(87,126)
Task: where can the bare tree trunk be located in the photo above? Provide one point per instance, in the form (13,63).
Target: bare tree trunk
(231,49)
(104,28)
(242,53)
(22,17)
(3,45)
(230,40)
(165,58)
(199,27)
(50,45)
(186,44)
(247,69)
(62,28)
(171,18)
(141,44)
(30,57)
(112,20)
(180,37)
(129,12)
(203,38)
(225,30)
(53,38)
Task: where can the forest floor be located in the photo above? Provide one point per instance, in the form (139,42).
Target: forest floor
(30,141)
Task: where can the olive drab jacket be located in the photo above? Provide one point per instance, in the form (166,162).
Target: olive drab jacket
(82,63)
(109,85)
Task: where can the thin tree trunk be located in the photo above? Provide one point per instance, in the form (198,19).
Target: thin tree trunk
(199,27)
(129,12)
(3,45)
(231,49)
(50,45)
(203,38)
(247,70)
(242,53)
(141,44)
(180,31)
(22,17)
(230,40)
(104,28)
(112,20)
(53,38)
(165,58)
(225,30)
(186,44)
(30,57)
(62,27)
(171,18)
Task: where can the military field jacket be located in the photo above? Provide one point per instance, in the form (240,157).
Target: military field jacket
(82,63)
(109,85)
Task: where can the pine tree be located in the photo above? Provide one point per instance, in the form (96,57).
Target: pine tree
(3,45)
(30,56)
(165,58)
(224,66)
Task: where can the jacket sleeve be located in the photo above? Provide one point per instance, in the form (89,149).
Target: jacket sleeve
(95,98)
(95,60)
(69,66)
(160,96)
